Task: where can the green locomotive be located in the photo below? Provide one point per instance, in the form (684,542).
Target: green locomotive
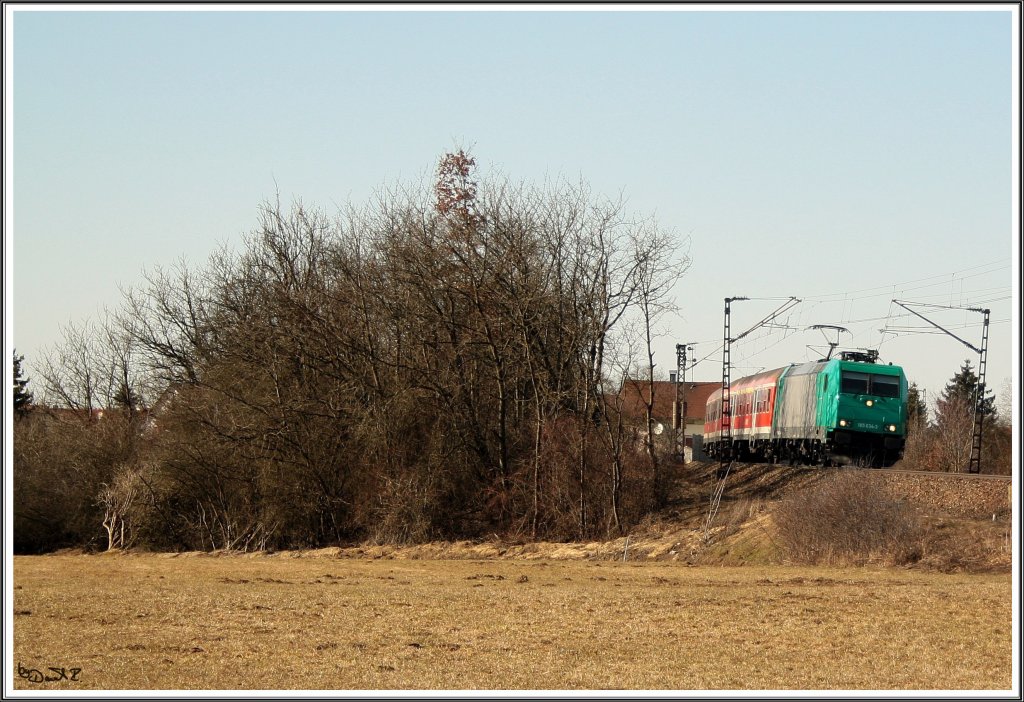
(846,410)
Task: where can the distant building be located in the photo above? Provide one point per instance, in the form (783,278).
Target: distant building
(634,394)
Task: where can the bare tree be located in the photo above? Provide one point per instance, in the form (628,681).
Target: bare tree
(657,268)
(119,500)
(72,372)
(168,320)
(436,363)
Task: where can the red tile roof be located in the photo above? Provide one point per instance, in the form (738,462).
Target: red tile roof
(634,394)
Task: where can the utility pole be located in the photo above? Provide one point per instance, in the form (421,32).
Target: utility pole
(679,415)
(979,399)
(726,440)
(725,454)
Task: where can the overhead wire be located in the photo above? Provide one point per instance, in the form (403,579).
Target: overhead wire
(943,279)
(848,300)
(978,296)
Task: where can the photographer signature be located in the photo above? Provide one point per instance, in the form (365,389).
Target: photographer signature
(34,675)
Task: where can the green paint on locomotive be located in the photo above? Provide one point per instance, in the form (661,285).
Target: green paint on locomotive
(817,399)
(871,398)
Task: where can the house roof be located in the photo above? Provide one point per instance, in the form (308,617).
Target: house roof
(634,394)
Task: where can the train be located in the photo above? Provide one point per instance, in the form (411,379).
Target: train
(849,410)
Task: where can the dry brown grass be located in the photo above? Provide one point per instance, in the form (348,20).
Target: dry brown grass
(849,518)
(161,622)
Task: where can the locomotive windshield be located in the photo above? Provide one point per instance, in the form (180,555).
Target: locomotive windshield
(854,383)
(885,386)
(864,384)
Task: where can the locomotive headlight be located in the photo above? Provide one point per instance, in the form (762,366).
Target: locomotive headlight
(869,403)
(892,427)
(842,422)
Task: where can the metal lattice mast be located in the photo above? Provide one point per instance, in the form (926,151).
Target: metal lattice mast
(725,454)
(679,418)
(979,400)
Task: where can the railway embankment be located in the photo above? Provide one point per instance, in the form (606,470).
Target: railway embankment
(947,522)
(954,494)
(958,495)
(957,530)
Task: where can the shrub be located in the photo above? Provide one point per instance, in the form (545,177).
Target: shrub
(847,519)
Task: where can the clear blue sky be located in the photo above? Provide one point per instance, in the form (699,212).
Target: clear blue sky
(808,153)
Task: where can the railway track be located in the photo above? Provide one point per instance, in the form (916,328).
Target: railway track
(894,471)
(937,474)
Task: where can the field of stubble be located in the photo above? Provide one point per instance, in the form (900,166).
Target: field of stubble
(154,622)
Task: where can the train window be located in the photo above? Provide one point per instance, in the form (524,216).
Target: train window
(885,386)
(856,383)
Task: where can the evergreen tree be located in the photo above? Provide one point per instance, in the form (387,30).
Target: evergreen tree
(127,398)
(22,396)
(962,391)
(954,419)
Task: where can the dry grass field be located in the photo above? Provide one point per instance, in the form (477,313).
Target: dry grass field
(151,622)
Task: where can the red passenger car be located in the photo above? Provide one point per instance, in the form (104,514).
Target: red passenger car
(752,402)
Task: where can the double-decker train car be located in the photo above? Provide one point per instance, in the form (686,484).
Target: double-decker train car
(833,412)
